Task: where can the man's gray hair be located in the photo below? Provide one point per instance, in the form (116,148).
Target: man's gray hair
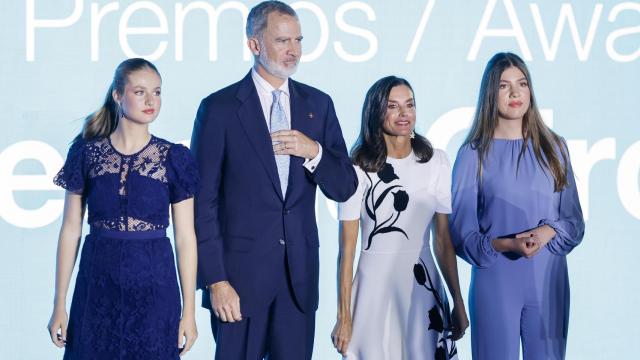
(257,19)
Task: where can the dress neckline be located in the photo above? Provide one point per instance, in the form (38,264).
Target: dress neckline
(391,159)
(508,140)
(135,153)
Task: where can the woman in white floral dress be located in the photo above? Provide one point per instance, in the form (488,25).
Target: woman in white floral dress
(396,307)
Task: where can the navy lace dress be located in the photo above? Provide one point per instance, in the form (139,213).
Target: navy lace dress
(126,302)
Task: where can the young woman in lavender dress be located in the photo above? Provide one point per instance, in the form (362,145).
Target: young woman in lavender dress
(126,302)
(396,306)
(516,215)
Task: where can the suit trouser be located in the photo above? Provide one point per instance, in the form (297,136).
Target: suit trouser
(281,331)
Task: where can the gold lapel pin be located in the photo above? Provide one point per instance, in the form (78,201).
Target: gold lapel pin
(310,115)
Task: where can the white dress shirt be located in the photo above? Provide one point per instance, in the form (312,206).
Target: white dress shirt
(266,100)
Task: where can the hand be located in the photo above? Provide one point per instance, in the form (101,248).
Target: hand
(225,302)
(460,322)
(187,333)
(341,335)
(293,142)
(543,233)
(526,246)
(58,327)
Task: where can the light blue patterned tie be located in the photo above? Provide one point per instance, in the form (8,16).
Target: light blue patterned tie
(277,122)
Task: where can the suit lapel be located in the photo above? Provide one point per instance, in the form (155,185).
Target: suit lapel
(255,126)
(300,122)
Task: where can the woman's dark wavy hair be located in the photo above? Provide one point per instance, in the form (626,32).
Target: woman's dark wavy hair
(549,149)
(370,151)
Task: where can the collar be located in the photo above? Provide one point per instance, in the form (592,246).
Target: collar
(264,84)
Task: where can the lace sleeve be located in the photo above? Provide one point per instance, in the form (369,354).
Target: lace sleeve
(73,173)
(184,174)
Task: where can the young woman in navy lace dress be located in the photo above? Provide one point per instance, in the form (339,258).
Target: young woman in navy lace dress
(126,303)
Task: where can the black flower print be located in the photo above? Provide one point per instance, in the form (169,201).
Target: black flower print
(436,313)
(400,200)
(386,174)
(419,274)
(373,202)
(435,320)
(441,353)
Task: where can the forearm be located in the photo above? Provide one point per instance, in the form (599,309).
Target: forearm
(567,234)
(335,175)
(210,260)
(446,258)
(210,263)
(569,223)
(67,252)
(348,239)
(187,266)
(502,244)
(345,283)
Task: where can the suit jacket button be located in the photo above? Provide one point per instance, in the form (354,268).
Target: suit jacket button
(281,242)
(286,211)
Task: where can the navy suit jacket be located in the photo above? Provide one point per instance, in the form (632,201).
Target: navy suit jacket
(240,213)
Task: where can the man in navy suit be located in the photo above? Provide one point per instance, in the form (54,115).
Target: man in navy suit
(263,145)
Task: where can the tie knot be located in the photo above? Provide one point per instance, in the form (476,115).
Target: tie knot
(276,95)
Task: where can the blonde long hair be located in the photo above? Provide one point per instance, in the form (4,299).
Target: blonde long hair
(104,121)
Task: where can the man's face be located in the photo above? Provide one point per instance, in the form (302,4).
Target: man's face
(281,45)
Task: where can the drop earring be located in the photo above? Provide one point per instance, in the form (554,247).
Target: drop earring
(413,134)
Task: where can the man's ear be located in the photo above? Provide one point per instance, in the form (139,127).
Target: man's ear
(254,46)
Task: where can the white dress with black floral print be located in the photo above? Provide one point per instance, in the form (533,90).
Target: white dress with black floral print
(399,305)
